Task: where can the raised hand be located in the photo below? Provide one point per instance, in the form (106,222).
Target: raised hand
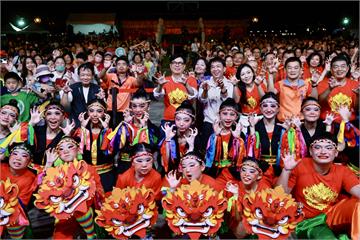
(100,94)
(172,180)
(259,79)
(327,65)
(315,78)
(333,83)
(296,121)
(67,88)
(190,139)
(286,124)
(169,131)
(330,117)
(289,161)
(303,59)
(234,81)
(236,133)
(161,79)
(106,122)
(356,73)
(68,128)
(84,122)
(144,119)
(35,116)
(344,112)
(51,156)
(217,127)
(127,115)
(233,188)
(253,120)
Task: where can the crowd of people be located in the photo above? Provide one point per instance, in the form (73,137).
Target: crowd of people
(239,117)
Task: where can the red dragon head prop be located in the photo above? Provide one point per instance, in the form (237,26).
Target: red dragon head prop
(194,209)
(271,213)
(66,189)
(11,213)
(129,211)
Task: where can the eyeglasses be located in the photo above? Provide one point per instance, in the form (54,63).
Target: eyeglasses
(177,63)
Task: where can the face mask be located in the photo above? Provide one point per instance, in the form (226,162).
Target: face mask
(60,68)
(44,79)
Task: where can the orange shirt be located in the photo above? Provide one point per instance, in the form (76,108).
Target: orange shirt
(24,182)
(175,94)
(339,95)
(152,180)
(253,100)
(291,97)
(123,98)
(319,192)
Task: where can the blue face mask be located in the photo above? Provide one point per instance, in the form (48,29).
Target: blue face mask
(44,79)
(60,68)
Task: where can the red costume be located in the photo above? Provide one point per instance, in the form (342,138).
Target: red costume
(151,180)
(341,95)
(24,181)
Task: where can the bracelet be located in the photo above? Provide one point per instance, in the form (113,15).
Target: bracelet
(288,170)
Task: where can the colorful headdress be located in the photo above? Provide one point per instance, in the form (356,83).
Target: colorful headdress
(185,112)
(252,164)
(96,104)
(141,154)
(309,103)
(323,140)
(11,108)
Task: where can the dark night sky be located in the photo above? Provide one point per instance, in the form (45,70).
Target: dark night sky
(291,13)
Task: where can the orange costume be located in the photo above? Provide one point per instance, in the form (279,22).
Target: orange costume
(24,181)
(291,97)
(342,95)
(320,194)
(152,180)
(123,98)
(175,94)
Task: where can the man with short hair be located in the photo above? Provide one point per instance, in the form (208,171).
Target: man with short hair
(212,93)
(317,183)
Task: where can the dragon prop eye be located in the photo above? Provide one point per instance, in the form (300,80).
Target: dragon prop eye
(1,202)
(116,222)
(258,213)
(140,209)
(55,199)
(208,212)
(76,180)
(284,220)
(180,211)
